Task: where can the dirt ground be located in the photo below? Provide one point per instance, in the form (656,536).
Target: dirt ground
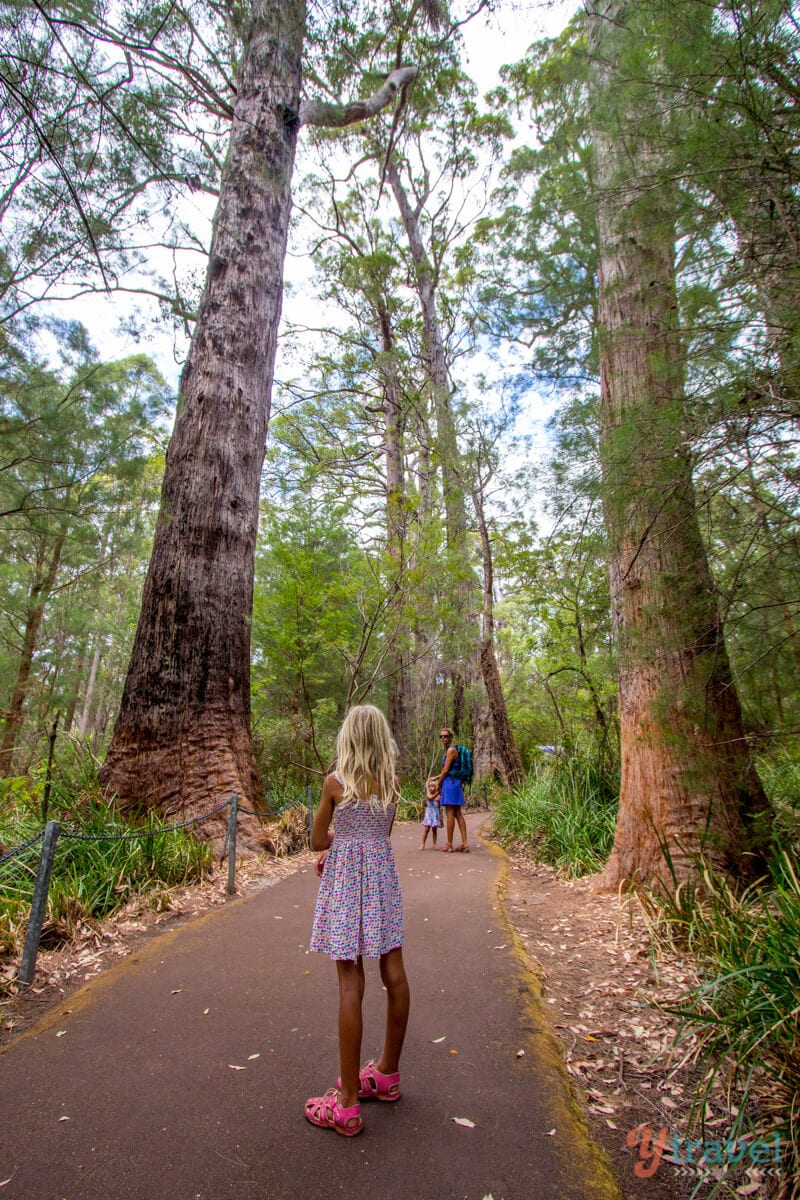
(600,980)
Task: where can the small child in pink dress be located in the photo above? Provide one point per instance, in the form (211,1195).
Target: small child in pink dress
(359,912)
(432,817)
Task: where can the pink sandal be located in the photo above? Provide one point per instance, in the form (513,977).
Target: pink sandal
(374,1085)
(328,1113)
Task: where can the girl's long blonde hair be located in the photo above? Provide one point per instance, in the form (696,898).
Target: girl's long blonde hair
(366,757)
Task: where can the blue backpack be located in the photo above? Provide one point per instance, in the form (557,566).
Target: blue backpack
(462,767)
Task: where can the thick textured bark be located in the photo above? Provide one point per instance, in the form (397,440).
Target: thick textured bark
(505,744)
(688,784)
(40,591)
(182,739)
(485,762)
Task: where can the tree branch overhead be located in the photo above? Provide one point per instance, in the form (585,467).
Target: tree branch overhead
(337,116)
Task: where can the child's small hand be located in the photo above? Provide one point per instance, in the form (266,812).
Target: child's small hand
(319,865)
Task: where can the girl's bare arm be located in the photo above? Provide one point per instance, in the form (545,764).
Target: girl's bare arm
(321,833)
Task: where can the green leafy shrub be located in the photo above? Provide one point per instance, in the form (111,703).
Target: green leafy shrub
(780,774)
(94,872)
(565,812)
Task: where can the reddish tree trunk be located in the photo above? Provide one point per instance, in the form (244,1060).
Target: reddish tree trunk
(687,780)
(182,738)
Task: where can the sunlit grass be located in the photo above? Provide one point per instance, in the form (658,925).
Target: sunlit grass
(94,873)
(565,813)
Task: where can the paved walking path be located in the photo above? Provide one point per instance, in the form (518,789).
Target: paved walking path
(133,1093)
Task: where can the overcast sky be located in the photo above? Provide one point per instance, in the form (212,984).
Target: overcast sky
(491,39)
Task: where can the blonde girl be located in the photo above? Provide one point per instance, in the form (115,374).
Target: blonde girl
(359,912)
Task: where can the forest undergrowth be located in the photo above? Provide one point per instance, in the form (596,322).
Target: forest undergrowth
(738,1018)
(103,861)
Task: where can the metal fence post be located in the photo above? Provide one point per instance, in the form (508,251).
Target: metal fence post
(27,965)
(310,803)
(232,844)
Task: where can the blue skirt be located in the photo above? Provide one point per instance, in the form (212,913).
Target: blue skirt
(452,791)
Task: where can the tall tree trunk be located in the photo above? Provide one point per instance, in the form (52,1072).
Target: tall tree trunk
(182,739)
(91,683)
(41,588)
(505,744)
(436,360)
(399,701)
(688,783)
(459,638)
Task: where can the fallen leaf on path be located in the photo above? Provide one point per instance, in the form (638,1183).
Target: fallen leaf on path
(60,1119)
(234,1067)
(520,1054)
(465,1121)
(454,1052)
(61,1033)
(250,1057)
(3,1182)
(176,991)
(206,1011)
(437,1040)
(550,1133)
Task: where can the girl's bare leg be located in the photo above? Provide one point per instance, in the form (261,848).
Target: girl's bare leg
(351,995)
(398,1003)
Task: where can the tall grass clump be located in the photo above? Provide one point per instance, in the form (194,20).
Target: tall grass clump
(94,873)
(565,813)
(745,1016)
(779,771)
(411,804)
(286,794)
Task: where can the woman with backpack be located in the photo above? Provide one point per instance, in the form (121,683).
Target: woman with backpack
(452,793)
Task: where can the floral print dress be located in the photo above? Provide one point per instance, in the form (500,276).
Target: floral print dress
(359,907)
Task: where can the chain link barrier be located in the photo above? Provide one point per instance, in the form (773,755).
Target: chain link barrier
(255,812)
(75,836)
(37,837)
(53,831)
(144,833)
